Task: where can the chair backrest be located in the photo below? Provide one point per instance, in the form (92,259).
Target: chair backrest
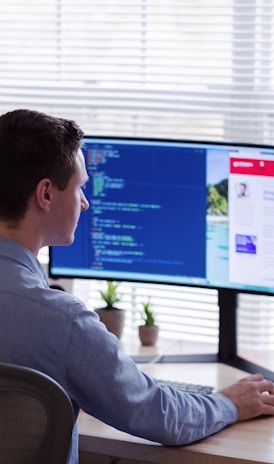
(36,417)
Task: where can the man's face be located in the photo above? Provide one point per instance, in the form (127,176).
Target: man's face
(68,205)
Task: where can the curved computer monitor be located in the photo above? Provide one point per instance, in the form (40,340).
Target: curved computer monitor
(175,212)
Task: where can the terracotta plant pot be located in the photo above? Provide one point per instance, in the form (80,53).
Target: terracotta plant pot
(113,318)
(148,334)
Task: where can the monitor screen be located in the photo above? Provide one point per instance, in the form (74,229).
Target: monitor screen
(175,212)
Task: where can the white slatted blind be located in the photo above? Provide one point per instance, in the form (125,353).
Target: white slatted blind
(201,69)
(171,68)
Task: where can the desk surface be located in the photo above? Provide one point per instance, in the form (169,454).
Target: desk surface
(242,443)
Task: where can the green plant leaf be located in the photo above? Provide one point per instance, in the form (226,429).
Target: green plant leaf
(110,296)
(148,314)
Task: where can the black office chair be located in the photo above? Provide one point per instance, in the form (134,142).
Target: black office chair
(36,417)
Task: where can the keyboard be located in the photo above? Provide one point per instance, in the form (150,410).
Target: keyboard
(188,387)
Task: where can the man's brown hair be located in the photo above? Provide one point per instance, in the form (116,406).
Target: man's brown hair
(33,146)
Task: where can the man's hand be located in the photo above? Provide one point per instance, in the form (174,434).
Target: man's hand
(252,395)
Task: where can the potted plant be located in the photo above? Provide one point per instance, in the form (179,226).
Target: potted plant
(110,315)
(148,332)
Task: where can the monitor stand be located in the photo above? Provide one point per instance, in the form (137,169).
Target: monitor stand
(228,301)
(228,353)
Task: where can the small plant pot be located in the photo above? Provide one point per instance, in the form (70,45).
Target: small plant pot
(148,334)
(113,319)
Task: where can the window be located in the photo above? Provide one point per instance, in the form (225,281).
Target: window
(200,69)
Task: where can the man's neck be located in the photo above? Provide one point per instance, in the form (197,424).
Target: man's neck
(17,234)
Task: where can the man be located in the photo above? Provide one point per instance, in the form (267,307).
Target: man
(42,172)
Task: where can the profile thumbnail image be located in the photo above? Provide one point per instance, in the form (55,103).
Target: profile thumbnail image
(242,189)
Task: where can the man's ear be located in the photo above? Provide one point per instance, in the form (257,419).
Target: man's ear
(44,194)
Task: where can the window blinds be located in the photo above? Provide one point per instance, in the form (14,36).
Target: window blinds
(170,68)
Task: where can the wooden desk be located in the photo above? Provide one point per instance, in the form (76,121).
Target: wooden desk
(242,443)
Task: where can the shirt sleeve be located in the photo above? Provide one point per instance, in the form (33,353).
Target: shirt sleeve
(108,385)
